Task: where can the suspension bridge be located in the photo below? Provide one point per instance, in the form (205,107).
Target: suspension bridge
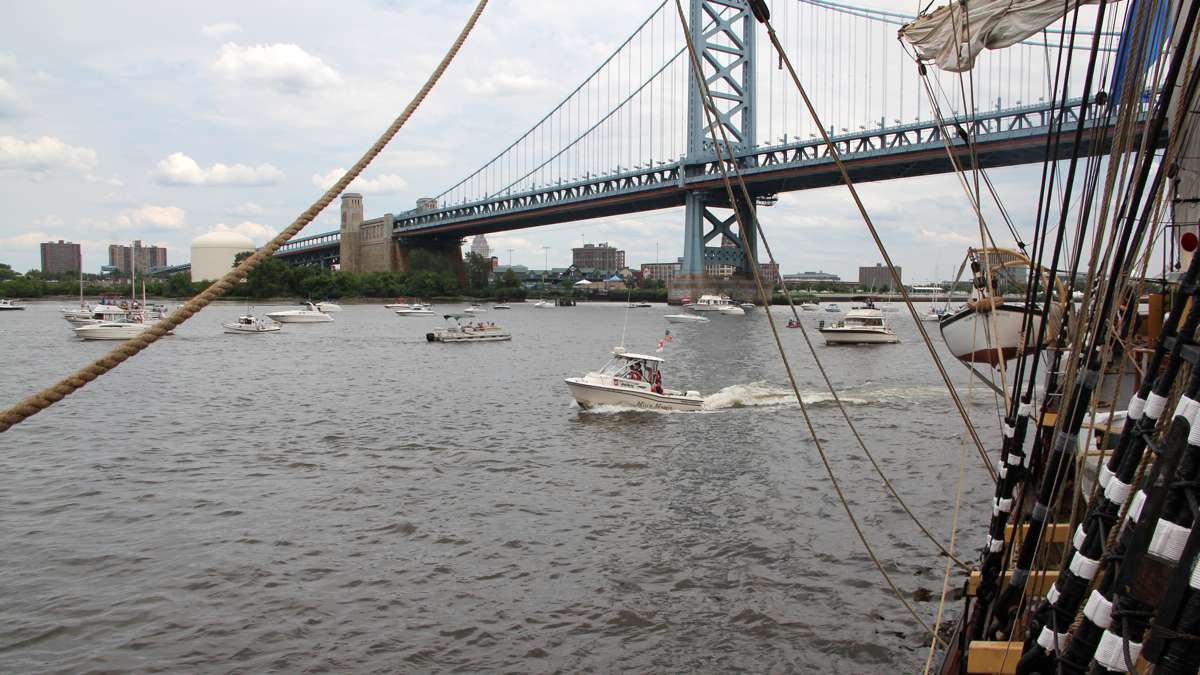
(632,137)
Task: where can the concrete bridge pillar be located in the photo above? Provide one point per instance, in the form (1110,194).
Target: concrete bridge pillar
(351,227)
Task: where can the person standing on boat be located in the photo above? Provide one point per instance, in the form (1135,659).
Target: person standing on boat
(657,388)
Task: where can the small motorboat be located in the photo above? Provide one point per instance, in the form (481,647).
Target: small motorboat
(832,307)
(248,324)
(809,307)
(793,323)
(543,303)
(414,310)
(327,306)
(862,325)
(719,304)
(475,309)
(7,305)
(397,304)
(639,305)
(470,331)
(686,318)
(310,314)
(503,305)
(747,306)
(933,314)
(631,380)
(111,330)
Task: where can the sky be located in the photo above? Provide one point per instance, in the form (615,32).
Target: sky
(128,120)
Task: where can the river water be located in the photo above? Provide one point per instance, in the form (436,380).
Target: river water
(348,497)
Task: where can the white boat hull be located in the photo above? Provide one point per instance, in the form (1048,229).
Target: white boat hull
(987,337)
(857,336)
(589,394)
(414,312)
(111,331)
(243,329)
(329,307)
(686,318)
(448,336)
(300,316)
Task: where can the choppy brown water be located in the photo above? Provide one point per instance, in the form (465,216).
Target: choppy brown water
(346,497)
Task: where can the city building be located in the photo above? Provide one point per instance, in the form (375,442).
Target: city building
(810,278)
(598,256)
(61,256)
(877,278)
(479,246)
(663,272)
(123,258)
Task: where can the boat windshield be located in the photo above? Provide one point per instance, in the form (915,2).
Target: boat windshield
(630,369)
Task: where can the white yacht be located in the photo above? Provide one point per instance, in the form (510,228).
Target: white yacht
(94,314)
(809,307)
(111,330)
(631,380)
(248,324)
(861,325)
(327,306)
(310,314)
(686,318)
(470,331)
(414,310)
(720,304)
(7,305)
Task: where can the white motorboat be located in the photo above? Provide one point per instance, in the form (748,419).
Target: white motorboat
(7,305)
(470,331)
(631,380)
(543,303)
(327,306)
(397,304)
(503,305)
(832,307)
(248,324)
(809,307)
(720,304)
(95,314)
(111,330)
(747,306)
(474,309)
(933,314)
(414,310)
(686,318)
(310,314)
(639,305)
(861,325)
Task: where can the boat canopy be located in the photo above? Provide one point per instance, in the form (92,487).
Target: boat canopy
(637,357)
(951,36)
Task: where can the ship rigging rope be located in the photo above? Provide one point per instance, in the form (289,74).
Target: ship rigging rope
(715,125)
(47,397)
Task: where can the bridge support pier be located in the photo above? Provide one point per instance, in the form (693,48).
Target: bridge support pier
(447,248)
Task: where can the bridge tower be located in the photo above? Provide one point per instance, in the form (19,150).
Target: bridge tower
(723,32)
(352,219)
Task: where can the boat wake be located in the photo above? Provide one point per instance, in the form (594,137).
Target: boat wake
(757,394)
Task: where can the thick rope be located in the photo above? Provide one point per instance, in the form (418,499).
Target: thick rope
(34,404)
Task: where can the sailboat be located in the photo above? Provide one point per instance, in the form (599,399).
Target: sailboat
(128,325)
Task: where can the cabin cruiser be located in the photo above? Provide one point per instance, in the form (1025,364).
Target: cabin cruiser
(631,380)
(470,331)
(327,306)
(7,305)
(686,318)
(414,310)
(248,324)
(720,304)
(503,305)
(310,314)
(475,309)
(111,330)
(810,307)
(95,314)
(832,307)
(861,325)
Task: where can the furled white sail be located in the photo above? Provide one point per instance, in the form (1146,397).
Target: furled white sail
(952,36)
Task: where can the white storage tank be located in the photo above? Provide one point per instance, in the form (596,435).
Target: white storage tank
(213,253)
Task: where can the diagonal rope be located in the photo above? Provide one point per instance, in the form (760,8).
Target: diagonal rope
(49,396)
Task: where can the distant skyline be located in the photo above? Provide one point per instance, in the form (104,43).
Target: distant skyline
(135,121)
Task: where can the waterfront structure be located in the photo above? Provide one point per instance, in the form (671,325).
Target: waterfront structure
(61,256)
(663,272)
(877,278)
(213,254)
(599,256)
(125,258)
(810,278)
(479,246)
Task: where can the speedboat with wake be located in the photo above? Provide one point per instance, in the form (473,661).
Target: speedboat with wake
(686,318)
(634,380)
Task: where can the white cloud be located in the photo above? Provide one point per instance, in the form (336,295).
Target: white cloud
(383,183)
(256,231)
(12,103)
(113,181)
(49,220)
(220,30)
(27,239)
(45,154)
(504,84)
(179,169)
(948,237)
(149,217)
(284,67)
(247,209)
